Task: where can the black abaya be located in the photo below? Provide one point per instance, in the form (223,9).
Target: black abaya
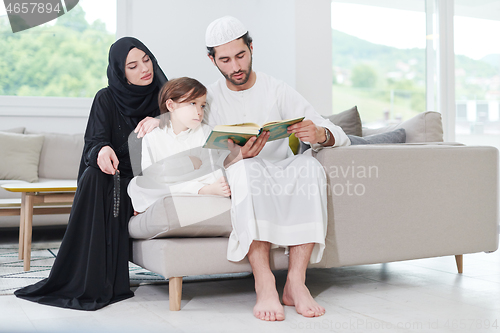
(91,267)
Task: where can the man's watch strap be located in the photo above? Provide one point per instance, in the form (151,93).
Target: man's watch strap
(327,134)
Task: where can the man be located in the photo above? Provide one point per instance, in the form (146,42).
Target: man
(269,204)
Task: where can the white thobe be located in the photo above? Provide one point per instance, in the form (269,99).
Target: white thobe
(276,197)
(167,167)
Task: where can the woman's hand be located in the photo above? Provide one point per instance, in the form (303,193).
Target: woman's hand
(146,125)
(196,162)
(107,160)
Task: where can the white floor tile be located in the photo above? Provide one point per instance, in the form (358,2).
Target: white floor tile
(425,295)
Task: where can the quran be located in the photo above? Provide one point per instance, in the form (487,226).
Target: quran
(241,133)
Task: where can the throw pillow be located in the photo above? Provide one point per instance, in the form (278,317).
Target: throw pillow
(294,143)
(349,121)
(20,154)
(424,127)
(60,156)
(397,136)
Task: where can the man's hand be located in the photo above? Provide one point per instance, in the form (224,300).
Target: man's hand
(307,131)
(107,160)
(251,149)
(146,125)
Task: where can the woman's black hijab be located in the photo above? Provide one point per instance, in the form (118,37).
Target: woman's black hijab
(132,100)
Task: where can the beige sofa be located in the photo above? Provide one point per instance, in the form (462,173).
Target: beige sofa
(29,156)
(403,201)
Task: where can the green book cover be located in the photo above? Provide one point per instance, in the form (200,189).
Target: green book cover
(241,133)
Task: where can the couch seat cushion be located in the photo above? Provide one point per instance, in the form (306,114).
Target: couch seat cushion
(184,215)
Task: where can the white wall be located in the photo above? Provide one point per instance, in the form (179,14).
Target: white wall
(292,39)
(313,33)
(45,114)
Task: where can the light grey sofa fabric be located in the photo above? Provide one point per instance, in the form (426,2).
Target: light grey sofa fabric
(60,155)
(412,201)
(173,257)
(416,201)
(20,155)
(396,136)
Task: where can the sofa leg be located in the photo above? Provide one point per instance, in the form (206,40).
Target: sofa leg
(175,293)
(459,258)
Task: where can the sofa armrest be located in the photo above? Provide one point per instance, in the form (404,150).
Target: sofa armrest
(398,202)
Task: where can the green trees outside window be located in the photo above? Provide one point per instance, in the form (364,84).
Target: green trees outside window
(65,59)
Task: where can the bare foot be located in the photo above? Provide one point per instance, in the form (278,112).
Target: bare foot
(297,294)
(220,187)
(268,306)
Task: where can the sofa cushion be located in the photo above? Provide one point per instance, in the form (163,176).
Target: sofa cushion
(184,215)
(349,121)
(424,127)
(20,155)
(60,156)
(397,136)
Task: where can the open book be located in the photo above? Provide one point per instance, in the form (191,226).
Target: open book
(241,133)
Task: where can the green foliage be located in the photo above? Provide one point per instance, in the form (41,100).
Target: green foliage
(403,92)
(364,76)
(67,59)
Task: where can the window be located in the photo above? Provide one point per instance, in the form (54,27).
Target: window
(477,73)
(66,57)
(379,60)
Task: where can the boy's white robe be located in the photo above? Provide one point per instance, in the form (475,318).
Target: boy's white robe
(167,168)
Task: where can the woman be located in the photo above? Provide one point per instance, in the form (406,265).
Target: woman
(91,268)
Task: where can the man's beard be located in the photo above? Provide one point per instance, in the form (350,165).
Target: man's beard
(246,75)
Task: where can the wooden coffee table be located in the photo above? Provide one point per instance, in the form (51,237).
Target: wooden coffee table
(51,197)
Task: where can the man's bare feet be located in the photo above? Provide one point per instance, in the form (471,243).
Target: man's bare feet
(268,306)
(296,294)
(220,187)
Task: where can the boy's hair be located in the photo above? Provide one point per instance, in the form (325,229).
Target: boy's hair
(180,90)
(246,39)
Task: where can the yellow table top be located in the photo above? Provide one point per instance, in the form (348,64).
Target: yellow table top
(46,186)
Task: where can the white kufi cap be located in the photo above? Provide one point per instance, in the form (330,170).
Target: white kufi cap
(224,30)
